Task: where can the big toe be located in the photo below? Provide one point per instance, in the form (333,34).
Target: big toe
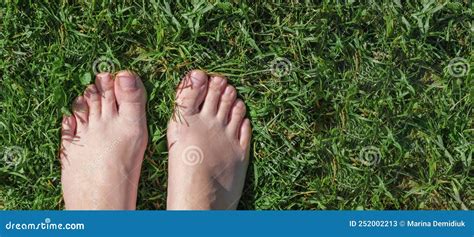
(130,95)
(191,92)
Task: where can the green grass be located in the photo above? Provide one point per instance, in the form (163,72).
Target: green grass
(365,78)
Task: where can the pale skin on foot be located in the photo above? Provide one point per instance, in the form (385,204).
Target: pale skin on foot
(208,141)
(103,144)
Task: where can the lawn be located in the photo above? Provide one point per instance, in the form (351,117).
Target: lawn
(354,104)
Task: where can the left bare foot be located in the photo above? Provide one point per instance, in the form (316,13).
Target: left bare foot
(103,144)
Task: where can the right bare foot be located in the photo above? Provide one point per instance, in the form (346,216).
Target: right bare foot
(208,139)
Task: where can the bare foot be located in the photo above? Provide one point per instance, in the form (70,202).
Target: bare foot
(103,143)
(208,139)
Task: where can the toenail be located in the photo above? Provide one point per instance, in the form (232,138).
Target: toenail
(197,78)
(228,90)
(92,90)
(103,76)
(127,82)
(196,81)
(217,80)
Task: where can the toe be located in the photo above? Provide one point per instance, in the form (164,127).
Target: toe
(81,113)
(227,100)
(245,134)
(68,130)
(93,100)
(216,86)
(236,116)
(105,86)
(191,92)
(68,133)
(131,96)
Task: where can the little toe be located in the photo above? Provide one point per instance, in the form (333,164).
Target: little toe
(245,134)
(93,100)
(68,130)
(130,94)
(216,86)
(81,113)
(236,116)
(227,100)
(191,92)
(105,85)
